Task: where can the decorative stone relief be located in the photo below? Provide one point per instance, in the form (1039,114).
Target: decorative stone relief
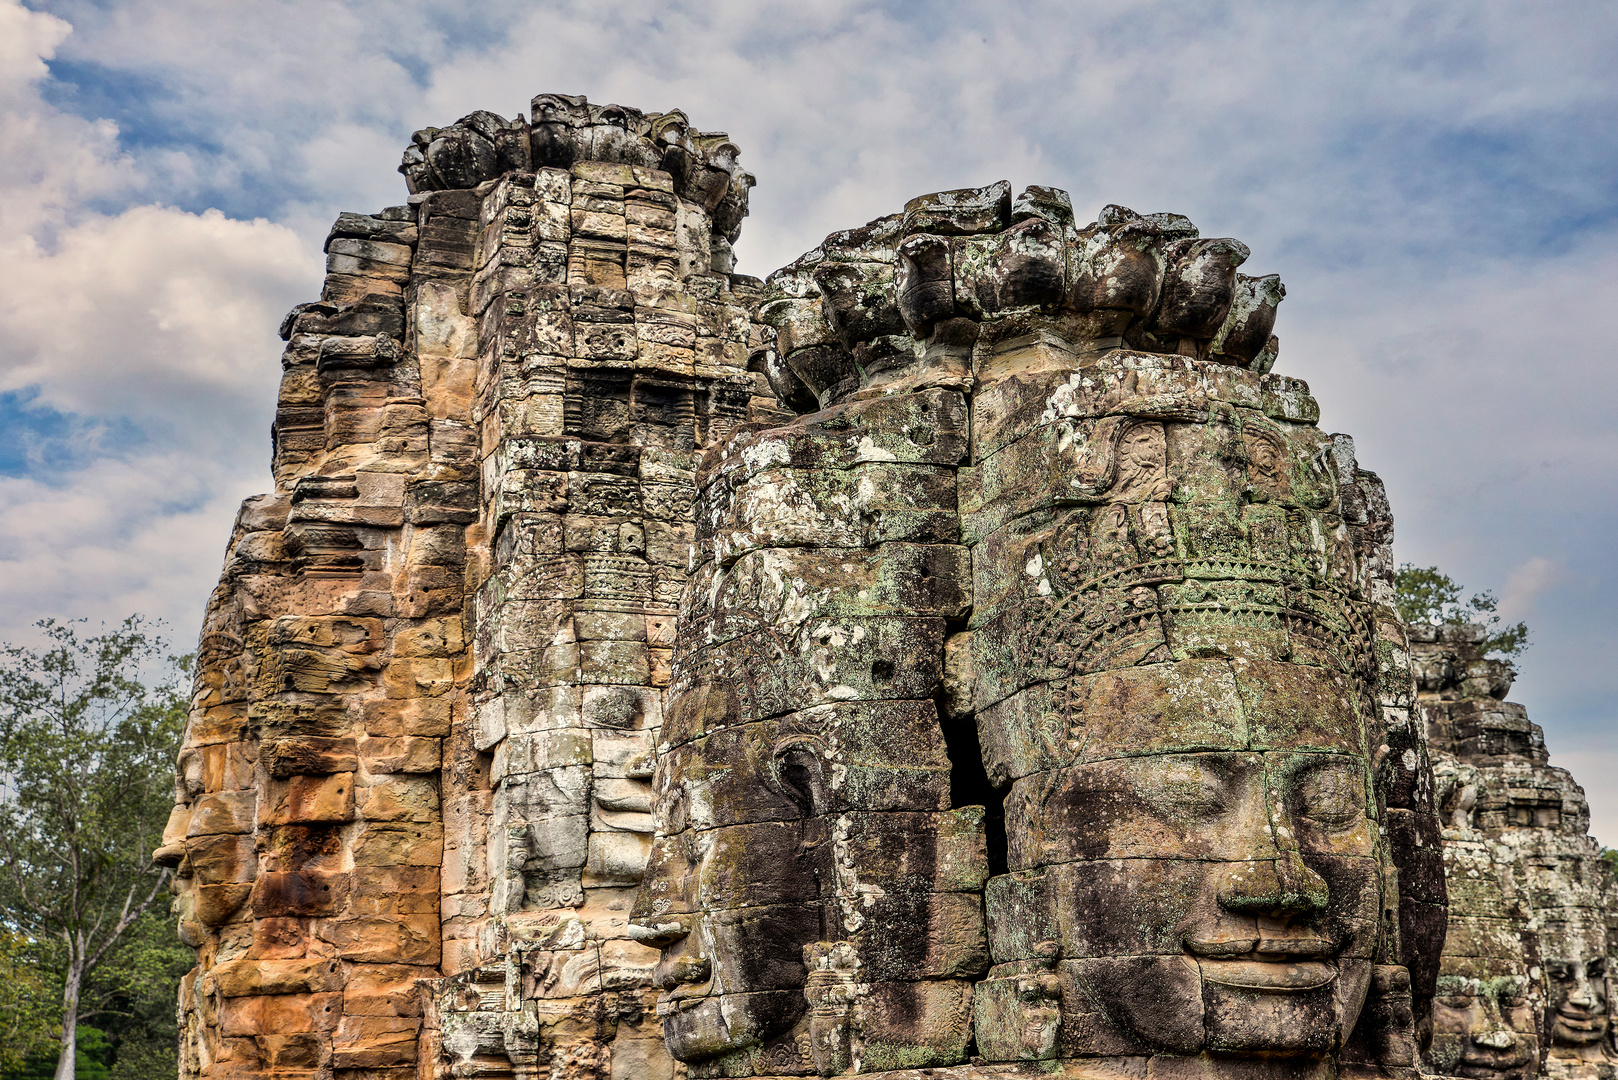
(1167,658)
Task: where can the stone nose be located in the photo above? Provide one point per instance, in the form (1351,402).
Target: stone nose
(1281,887)
(1498,1037)
(663,902)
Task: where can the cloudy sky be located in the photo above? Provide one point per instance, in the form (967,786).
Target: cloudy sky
(1437,184)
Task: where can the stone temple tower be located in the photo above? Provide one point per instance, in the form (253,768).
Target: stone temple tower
(432,672)
(959,655)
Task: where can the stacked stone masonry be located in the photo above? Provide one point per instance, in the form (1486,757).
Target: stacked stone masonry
(1526,977)
(958,655)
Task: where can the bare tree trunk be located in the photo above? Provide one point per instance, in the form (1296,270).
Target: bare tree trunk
(66,1062)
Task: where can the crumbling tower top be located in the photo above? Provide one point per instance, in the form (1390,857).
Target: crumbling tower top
(565,130)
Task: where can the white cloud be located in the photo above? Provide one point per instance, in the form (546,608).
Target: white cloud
(1536,576)
(166,319)
(143,535)
(155,314)
(27,40)
(1485,403)
(159,317)
(56,160)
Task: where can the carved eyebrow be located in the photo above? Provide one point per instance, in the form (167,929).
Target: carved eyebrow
(1291,768)
(1177,783)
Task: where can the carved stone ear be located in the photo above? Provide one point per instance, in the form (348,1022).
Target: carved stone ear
(800,772)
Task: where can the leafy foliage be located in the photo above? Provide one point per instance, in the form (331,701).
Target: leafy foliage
(1425,594)
(90,1064)
(30,1002)
(132,992)
(87,744)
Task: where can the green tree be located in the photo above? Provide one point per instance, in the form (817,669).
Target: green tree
(87,744)
(1425,594)
(135,989)
(130,996)
(30,1006)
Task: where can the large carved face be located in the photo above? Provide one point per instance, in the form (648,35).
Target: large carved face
(1208,865)
(1578,999)
(1484,1024)
(1489,1003)
(731,892)
(820,833)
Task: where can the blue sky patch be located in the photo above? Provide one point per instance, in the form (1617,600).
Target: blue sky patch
(41,442)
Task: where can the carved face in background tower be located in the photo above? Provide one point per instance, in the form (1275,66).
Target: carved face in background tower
(1489,1009)
(1485,1028)
(806,858)
(1578,993)
(1578,999)
(731,894)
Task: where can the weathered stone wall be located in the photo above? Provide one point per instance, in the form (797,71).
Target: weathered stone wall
(595,384)
(431,675)
(307,831)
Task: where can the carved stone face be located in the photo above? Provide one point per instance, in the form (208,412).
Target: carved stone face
(1578,993)
(731,894)
(823,833)
(1208,865)
(1484,1028)
(712,960)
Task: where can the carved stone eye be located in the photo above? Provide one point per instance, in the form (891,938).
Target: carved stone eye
(1331,795)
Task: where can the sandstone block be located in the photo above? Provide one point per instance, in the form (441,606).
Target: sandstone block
(344,265)
(398,844)
(405,754)
(243,978)
(373,1041)
(277,939)
(617,858)
(222,812)
(216,904)
(404,890)
(279,894)
(399,798)
(377,251)
(282,1013)
(308,799)
(401,939)
(384,990)
(215,860)
(308,756)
